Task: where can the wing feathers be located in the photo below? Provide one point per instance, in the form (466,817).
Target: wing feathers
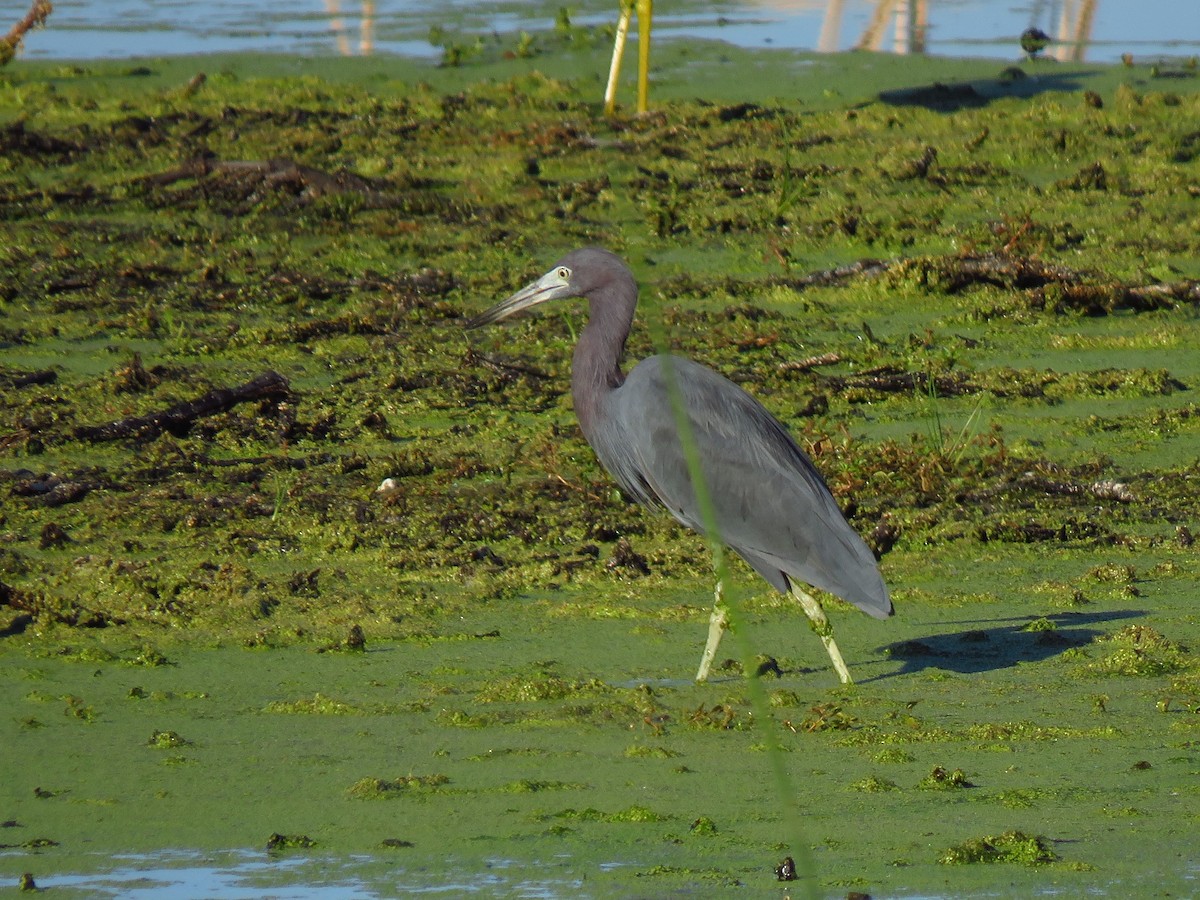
(772,505)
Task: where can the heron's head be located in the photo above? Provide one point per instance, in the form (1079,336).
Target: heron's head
(581,273)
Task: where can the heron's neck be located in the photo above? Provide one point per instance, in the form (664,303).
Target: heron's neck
(596,367)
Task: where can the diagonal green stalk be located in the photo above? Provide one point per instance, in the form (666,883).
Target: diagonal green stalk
(969,431)
(955,449)
(933,422)
(806,869)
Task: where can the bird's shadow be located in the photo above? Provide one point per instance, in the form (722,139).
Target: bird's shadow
(977,92)
(1000,646)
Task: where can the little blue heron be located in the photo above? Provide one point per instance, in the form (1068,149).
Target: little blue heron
(771,505)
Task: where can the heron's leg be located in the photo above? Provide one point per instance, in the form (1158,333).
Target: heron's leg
(645,10)
(820,624)
(614,71)
(716,627)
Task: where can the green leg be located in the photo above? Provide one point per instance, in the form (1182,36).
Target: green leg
(820,624)
(645,12)
(614,71)
(716,627)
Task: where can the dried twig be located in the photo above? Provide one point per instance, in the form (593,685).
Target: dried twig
(25,379)
(866,268)
(1088,291)
(1102,490)
(805,365)
(37,15)
(306,182)
(892,380)
(179,418)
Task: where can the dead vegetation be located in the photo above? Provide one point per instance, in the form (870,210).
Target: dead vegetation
(39,11)
(237,318)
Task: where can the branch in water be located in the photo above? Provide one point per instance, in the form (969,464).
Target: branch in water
(36,17)
(179,418)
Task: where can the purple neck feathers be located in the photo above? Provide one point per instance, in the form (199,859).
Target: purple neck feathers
(596,367)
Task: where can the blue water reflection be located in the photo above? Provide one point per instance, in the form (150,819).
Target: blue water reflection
(257,875)
(1102,30)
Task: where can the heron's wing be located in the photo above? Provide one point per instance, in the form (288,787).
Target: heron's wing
(772,505)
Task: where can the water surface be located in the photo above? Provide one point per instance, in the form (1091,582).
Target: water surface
(978,28)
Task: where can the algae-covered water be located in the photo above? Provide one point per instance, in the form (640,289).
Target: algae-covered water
(232,306)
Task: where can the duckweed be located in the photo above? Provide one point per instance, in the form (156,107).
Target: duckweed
(232,314)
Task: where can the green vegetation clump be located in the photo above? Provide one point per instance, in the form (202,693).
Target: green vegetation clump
(941,779)
(828,717)
(383,788)
(1009,847)
(167,740)
(634,814)
(460,718)
(1040,624)
(544,686)
(1140,650)
(873,784)
(1025,731)
(279,841)
(645,751)
(531,786)
(316,705)
(703,826)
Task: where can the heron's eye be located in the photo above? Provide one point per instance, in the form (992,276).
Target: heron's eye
(564,273)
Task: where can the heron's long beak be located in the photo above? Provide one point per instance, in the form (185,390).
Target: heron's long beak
(554,285)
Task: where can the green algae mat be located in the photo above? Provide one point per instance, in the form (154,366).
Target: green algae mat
(231,302)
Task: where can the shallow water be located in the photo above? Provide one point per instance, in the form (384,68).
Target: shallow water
(256,875)
(967,28)
(251,875)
